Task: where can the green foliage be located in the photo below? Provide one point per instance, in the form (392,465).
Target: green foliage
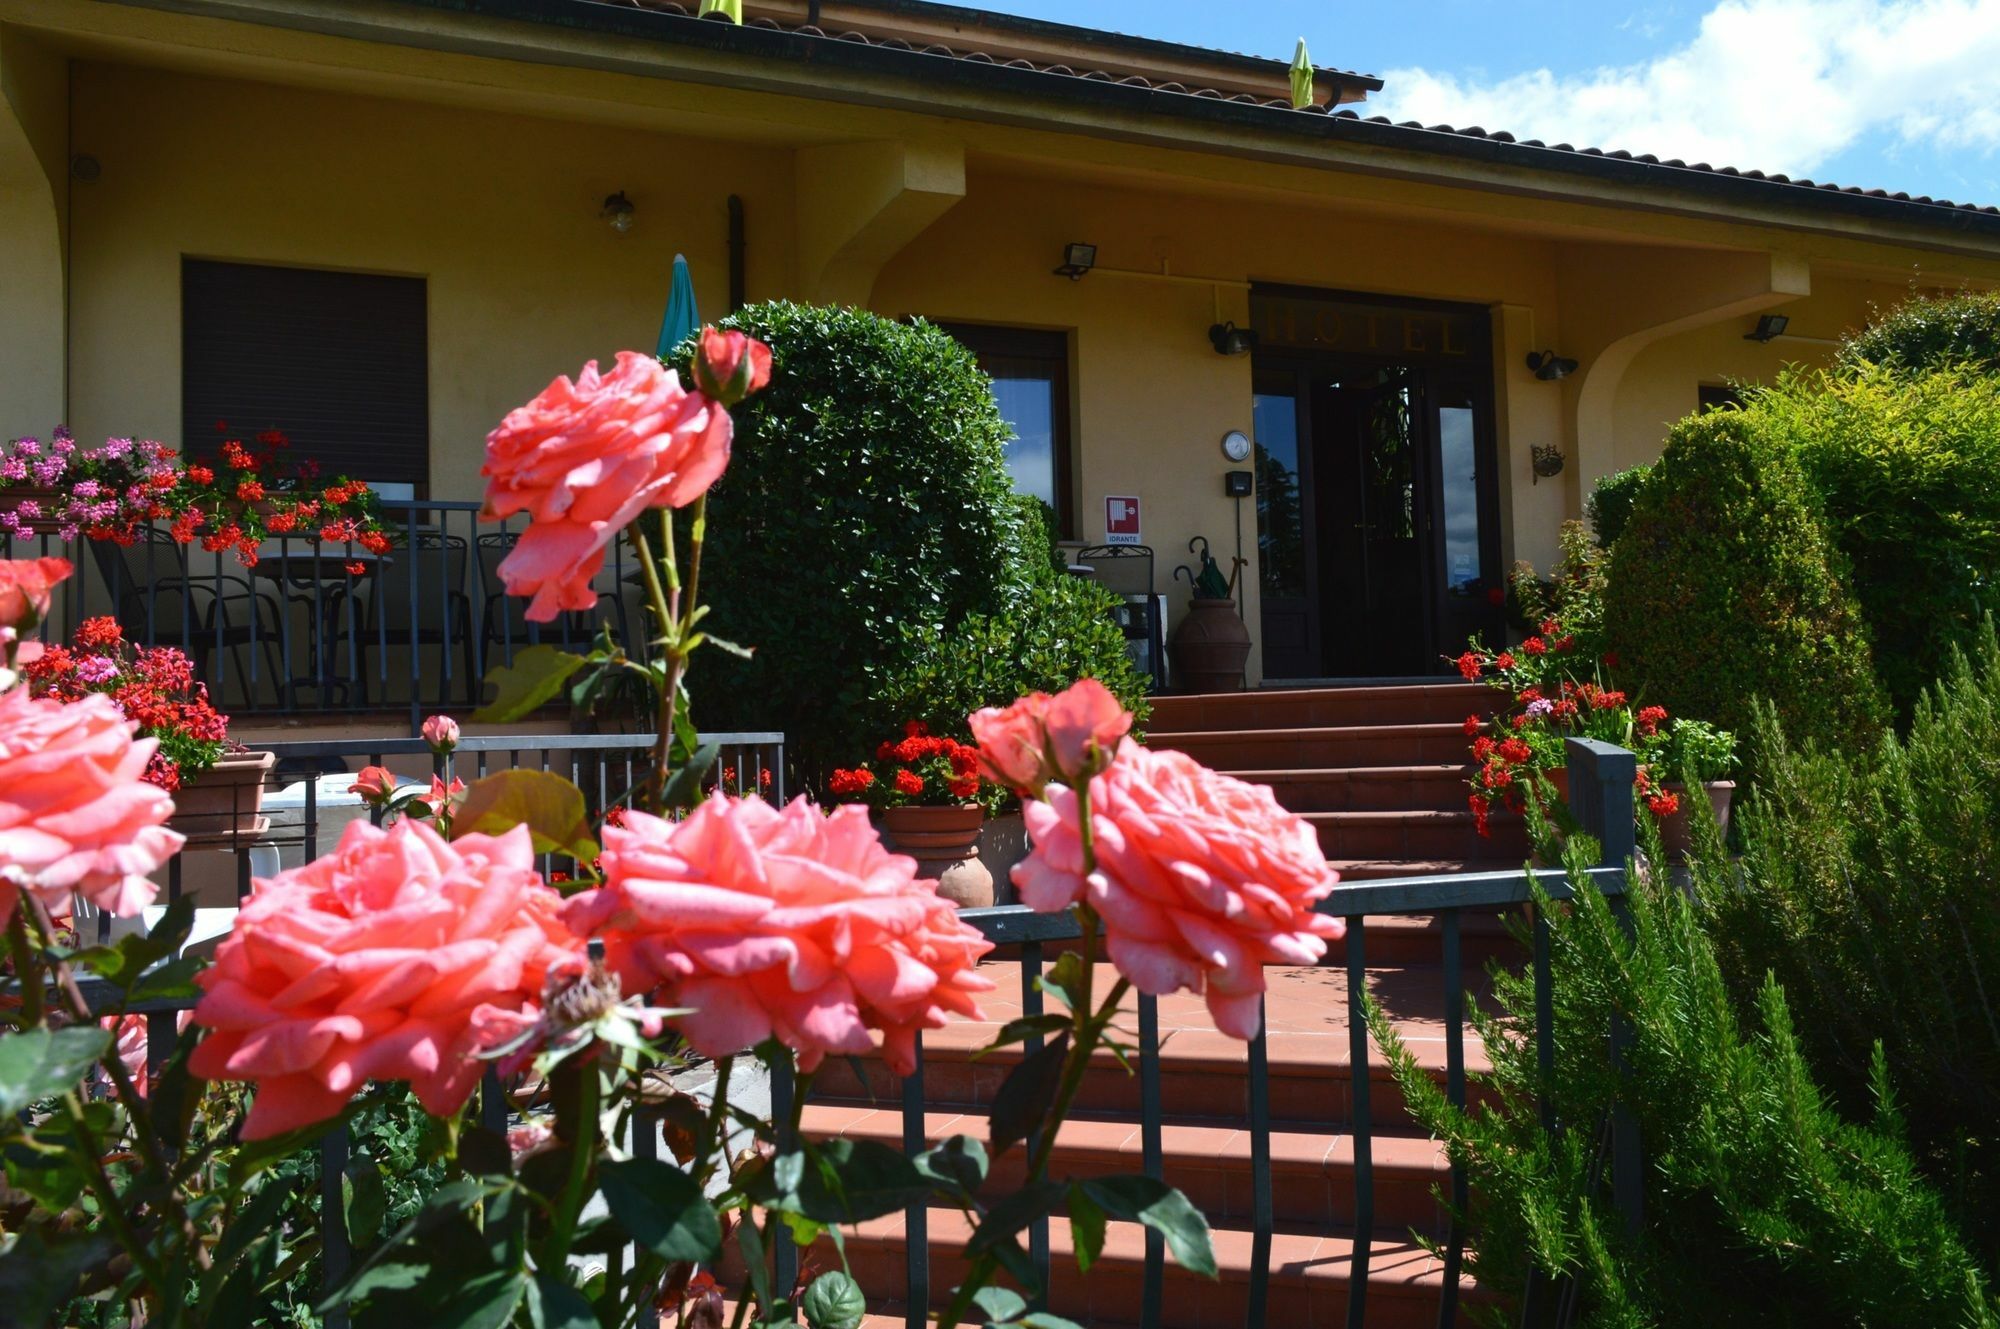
(1610,504)
(1867,886)
(1726,586)
(1905,468)
(867,505)
(1922,335)
(1763,1205)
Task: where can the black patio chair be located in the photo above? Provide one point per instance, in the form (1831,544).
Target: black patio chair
(159,601)
(416,598)
(1127,572)
(503,626)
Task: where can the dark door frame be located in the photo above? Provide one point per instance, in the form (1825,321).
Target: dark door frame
(1447,619)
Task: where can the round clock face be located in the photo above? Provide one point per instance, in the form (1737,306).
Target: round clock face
(1236,445)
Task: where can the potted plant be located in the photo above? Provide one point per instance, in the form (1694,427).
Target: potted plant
(1688,750)
(925,790)
(218,786)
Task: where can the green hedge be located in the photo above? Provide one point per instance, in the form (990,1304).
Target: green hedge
(865,533)
(1921,335)
(1726,587)
(1610,503)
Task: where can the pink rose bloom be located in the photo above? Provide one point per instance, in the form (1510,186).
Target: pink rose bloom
(1201,880)
(27,585)
(76,814)
(396,957)
(375,784)
(1042,738)
(585,458)
(782,921)
(441,732)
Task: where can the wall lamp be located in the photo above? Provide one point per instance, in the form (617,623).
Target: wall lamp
(618,212)
(1769,327)
(1078,258)
(1549,366)
(1228,339)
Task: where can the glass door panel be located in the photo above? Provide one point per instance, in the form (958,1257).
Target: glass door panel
(1285,538)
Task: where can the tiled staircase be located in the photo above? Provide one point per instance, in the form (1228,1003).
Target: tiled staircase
(1380,771)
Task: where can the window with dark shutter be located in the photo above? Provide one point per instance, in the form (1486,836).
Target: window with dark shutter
(1030,372)
(336,360)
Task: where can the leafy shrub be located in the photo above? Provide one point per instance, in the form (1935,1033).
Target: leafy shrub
(1921,335)
(1905,468)
(866,542)
(1060,630)
(1725,587)
(867,504)
(1609,506)
(1763,1205)
(1867,886)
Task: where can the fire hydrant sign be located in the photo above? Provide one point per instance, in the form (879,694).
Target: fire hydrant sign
(1121,520)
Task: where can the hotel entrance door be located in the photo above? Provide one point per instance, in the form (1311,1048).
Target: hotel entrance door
(1377,498)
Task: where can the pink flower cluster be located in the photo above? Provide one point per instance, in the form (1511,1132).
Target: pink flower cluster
(396,957)
(781,921)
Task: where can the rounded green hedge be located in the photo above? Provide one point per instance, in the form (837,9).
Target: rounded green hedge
(1925,334)
(1725,586)
(1609,506)
(866,525)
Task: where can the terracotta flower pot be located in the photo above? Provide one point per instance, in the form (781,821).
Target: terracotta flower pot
(1210,647)
(221,806)
(1676,831)
(945,843)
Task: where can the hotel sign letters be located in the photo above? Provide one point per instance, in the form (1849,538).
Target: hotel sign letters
(1355,327)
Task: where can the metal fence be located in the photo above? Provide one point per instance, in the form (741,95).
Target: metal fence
(1601,777)
(318,626)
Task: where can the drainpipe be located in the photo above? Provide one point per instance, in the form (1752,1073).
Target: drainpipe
(736,292)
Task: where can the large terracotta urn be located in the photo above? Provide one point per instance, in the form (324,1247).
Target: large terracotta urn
(1210,647)
(945,843)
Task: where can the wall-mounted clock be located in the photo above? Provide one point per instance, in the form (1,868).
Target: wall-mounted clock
(1236,445)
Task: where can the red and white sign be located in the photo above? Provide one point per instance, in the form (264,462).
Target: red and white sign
(1121,520)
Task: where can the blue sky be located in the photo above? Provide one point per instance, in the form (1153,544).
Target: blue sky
(1891,94)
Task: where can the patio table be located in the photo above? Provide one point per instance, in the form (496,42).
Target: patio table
(320,579)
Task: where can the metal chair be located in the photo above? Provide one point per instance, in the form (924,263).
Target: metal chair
(157,601)
(417,600)
(1127,572)
(503,624)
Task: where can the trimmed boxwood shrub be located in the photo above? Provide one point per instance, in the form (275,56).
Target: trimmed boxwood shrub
(1921,335)
(866,526)
(1609,506)
(1907,468)
(1725,587)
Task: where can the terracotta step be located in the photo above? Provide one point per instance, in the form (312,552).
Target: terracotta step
(1440,786)
(1418,834)
(1203,1073)
(1381,869)
(1312,1171)
(1311,708)
(1319,748)
(1418,939)
(1310,1274)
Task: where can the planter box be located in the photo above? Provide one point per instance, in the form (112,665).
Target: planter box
(221,806)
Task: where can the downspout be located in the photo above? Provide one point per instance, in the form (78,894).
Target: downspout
(736,287)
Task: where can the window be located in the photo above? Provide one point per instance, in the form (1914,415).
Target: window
(336,360)
(1030,372)
(1716,397)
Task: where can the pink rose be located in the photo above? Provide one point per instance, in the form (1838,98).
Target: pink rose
(1201,880)
(441,732)
(27,586)
(729,366)
(396,957)
(375,784)
(76,813)
(585,458)
(1042,738)
(781,921)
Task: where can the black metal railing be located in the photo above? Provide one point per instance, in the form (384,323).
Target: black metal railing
(1601,777)
(317,626)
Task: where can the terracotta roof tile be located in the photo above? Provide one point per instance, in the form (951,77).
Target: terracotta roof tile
(1278,106)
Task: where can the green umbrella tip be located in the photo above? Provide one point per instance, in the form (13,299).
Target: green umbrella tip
(1302,77)
(729,9)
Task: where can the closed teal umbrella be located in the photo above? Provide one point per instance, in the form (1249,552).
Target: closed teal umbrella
(683,320)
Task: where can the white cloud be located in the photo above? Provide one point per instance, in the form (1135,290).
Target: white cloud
(1776,85)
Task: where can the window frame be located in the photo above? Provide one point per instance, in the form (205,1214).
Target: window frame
(1048,350)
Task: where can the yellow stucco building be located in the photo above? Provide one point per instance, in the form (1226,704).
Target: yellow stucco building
(193,191)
